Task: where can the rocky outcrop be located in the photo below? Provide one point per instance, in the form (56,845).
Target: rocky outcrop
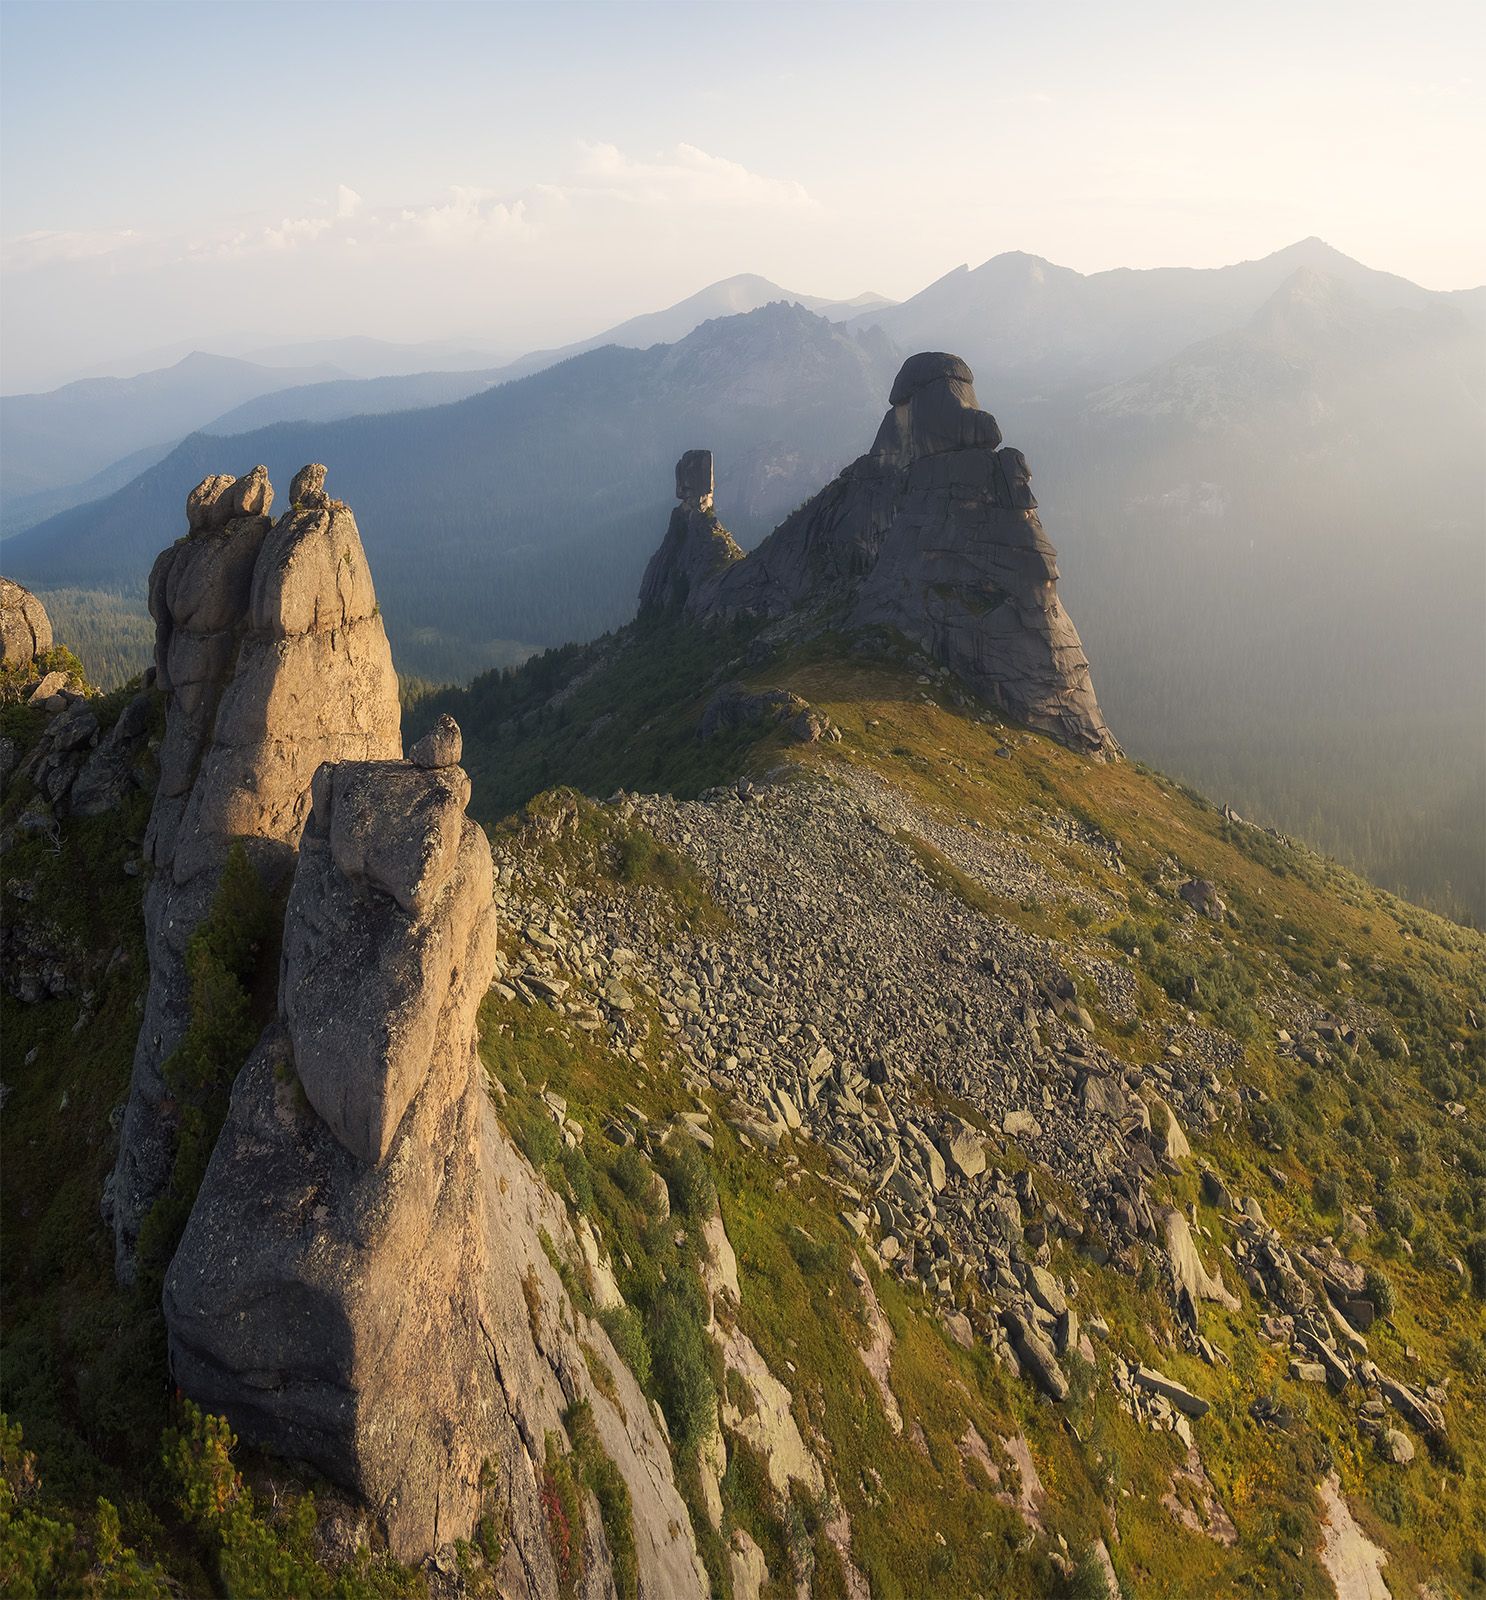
(696,547)
(362,1283)
(82,770)
(1193,1282)
(389,1314)
(25,628)
(934,533)
(270,649)
(734,707)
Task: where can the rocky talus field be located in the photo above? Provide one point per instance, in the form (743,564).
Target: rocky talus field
(767,1104)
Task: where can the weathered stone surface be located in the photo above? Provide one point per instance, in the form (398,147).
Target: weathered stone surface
(362,1283)
(48,687)
(441,746)
(25,628)
(1420,1410)
(308,487)
(1204,899)
(934,533)
(391,877)
(734,707)
(964,1149)
(696,547)
(1178,1394)
(1396,1446)
(271,651)
(80,772)
(1194,1282)
(1037,1354)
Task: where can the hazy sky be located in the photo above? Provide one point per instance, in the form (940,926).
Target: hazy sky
(521,175)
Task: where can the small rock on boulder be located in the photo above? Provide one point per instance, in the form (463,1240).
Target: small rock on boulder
(441,746)
(308,488)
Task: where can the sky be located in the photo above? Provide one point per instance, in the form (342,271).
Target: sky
(229,176)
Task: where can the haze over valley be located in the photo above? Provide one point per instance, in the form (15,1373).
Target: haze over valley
(1228,458)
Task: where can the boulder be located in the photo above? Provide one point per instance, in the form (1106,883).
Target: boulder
(1021,1125)
(1204,899)
(307,489)
(1045,1291)
(48,688)
(1421,1411)
(441,746)
(25,628)
(1194,1283)
(963,1149)
(1036,1353)
(1178,1394)
(1395,1445)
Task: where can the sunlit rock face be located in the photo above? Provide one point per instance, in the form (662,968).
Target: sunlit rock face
(270,649)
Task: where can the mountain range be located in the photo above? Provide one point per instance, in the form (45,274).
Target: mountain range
(1270,470)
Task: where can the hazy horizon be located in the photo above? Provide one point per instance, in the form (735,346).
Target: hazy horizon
(407,173)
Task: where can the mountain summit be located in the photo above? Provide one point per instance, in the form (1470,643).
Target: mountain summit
(934,533)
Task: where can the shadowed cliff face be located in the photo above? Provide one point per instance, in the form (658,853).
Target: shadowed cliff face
(270,648)
(389,1313)
(933,532)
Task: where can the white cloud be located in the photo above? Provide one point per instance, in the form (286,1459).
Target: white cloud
(470,216)
(51,247)
(465,217)
(686,175)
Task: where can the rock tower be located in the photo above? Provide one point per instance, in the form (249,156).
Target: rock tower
(361,1283)
(933,532)
(270,649)
(696,547)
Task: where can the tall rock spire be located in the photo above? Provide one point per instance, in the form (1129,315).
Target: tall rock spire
(357,1280)
(933,532)
(270,647)
(696,547)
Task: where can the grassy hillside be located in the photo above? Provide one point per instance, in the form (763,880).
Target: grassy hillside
(984,1486)
(1374,1141)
